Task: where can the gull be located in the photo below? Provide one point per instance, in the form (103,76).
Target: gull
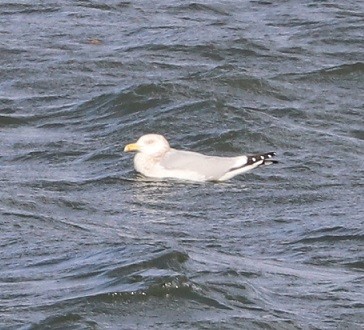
(156,159)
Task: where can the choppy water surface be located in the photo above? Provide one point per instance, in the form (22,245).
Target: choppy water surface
(88,244)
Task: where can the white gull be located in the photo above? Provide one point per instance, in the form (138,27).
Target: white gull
(156,159)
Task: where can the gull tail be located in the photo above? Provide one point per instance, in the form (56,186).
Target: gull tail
(248,163)
(263,159)
(253,161)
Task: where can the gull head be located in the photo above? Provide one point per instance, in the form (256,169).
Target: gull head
(150,144)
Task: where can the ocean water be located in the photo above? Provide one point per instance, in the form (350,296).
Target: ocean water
(86,243)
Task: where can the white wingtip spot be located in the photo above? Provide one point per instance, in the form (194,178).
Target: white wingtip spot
(254,159)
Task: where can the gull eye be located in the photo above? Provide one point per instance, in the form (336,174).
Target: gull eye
(150,141)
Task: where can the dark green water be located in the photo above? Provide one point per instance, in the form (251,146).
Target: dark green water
(85,243)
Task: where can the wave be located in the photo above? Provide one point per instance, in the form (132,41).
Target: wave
(350,71)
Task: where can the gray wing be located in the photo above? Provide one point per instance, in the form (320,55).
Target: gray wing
(209,166)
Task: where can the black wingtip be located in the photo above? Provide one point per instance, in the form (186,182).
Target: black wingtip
(266,158)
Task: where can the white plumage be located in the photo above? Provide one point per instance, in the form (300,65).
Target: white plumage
(156,159)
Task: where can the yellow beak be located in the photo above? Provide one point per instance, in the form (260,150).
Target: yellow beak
(131,147)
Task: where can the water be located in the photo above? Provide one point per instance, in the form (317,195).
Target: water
(88,244)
